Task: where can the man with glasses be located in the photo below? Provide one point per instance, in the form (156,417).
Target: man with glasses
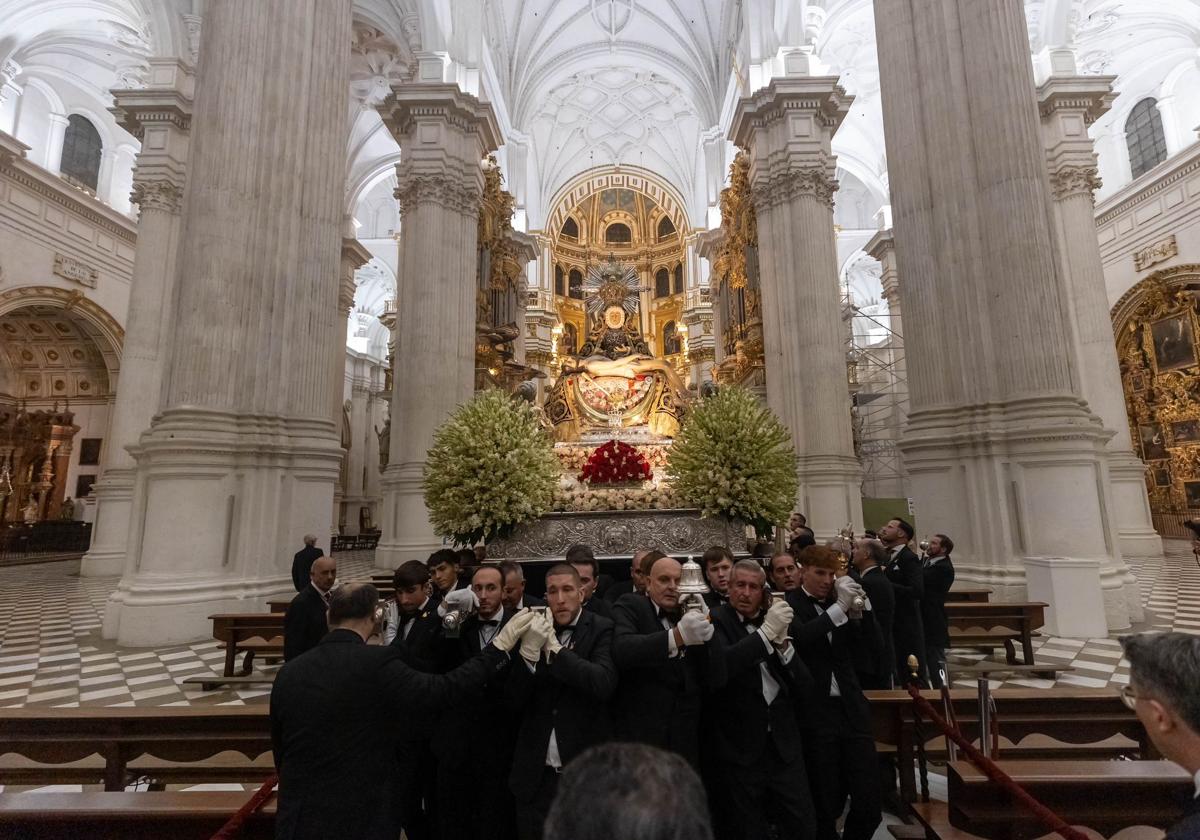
(1164,692)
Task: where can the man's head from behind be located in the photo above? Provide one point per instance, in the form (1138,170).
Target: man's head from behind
(629,792)
(412,585)
(310,540)
(355,607)
(1164,690)
(323,573)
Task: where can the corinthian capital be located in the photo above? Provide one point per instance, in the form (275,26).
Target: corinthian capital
(442,188)
(1067,181)
(782,187)
(157,195)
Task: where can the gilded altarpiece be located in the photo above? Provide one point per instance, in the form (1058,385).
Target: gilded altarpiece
(500,289)
(735,282)
(1158,343)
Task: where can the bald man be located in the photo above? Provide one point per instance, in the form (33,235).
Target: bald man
(304,624)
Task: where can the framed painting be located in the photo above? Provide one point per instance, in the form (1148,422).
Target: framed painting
(1162,477)
(1185,431)
(1137,381)
(89,452)
(1191,491)
(1154,448)
(1174,347)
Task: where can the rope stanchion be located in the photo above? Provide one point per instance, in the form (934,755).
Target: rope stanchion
(233,827)
(988,767)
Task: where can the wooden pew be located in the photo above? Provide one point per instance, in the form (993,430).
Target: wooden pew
(248,633)
(112,746)
(128,816)
(1105,796)
(977,594)
(989,625)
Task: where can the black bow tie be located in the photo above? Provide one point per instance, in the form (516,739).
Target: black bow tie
(753,622)
(489,622)
(823,603)
(672,616)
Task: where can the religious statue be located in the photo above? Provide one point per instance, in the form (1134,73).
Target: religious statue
(615,382)
(30,512)
(67,511)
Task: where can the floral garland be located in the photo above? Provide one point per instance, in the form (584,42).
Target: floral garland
(615,462)
(491,468)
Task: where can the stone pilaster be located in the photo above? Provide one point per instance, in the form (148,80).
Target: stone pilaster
(1068,105)
(1001,448)
(787,127)
(354,256)
(159,116)
(443,135)
(54,141)
(242,457)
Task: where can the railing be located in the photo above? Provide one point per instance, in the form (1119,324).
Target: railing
(1169,523)
(19,542)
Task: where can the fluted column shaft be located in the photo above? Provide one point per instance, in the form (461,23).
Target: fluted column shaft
(159,116)
(243,455)
(788,128)
(1002,451)
(443,136)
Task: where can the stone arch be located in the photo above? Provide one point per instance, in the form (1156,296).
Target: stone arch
(633,178)
(109,334)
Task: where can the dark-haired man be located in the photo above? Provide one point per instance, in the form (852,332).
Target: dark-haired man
(333,712)
(581,557)
(562,693)
(444,570)
(938,574)
(908,582)
(514,597)
(785,574)
(1164,672)
(717,563)
(304,622)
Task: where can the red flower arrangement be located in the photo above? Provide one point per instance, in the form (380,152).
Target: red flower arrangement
(615,463)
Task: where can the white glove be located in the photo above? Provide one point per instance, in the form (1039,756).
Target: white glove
(776,622)
(463,600)
(506,637)
(534,637)
(695,628)
(847,589)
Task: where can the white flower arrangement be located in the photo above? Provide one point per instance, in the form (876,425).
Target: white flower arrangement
(734,459)
(491,468)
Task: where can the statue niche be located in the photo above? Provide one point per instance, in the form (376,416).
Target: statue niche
(615,383)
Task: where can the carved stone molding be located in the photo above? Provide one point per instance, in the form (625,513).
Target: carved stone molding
(440,188)
(1160,251)
(158,195)
(1067,181)
(783,187)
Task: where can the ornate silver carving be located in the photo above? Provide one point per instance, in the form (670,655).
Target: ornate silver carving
(619,534)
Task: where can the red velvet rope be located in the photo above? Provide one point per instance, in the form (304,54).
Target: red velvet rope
(1048,818)
(234,826)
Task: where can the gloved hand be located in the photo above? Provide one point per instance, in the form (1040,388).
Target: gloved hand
(846,590)
(506,638)
(552,645)
(695,628)
(463,600)
(776,622)
(535,636)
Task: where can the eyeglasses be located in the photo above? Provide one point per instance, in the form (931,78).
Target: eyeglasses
(1129,697)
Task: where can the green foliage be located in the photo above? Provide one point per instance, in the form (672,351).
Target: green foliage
(491,468)
(734,459)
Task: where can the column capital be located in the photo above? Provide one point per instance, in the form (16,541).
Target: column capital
(882,246)
(157,194)
(1067,181)
(354,256)
(1067,105)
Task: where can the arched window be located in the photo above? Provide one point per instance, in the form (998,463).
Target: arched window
(662,283)
(570,228)
(575,286)
(665,228)
(560,281)
(81,152)
(671,343)
(679,279)
(618,234)
(1145,138)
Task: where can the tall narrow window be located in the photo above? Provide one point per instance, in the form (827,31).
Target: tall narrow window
(576,284)
(671,343)
(662,283)
(679,279)
(1145,138)
(81,152)
(560,281)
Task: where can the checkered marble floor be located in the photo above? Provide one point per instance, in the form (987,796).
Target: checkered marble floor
(51,652)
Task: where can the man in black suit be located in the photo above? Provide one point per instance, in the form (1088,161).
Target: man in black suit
(581,557)
(755,752)
(444,571)
(785,574)
(474,741)
(1164,672)
(513,597)
(839,748)
(717,563)
(335,715)
(904,571)
(561,694)
(664,663)
(303,560)
(304,622)
(636,582)
(875,663)
(938,574)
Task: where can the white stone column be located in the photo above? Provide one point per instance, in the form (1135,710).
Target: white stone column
(443,135)
(1068,105)
(242,457)
(354,256)
(787,128)
(159,117)
(1002,451)
(54,141)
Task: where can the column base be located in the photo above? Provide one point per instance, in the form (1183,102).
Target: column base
(830,493)
(1131,509)
(1071,586)
(110,533)
(406,531)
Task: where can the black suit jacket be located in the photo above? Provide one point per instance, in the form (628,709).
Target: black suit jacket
(420,649)
(621,587)
(740,723)
(877,663)
(826,657)
(1187,828)
(598,606)
(302,565)
(569,696)
(713,599)
(304,623)
(938,577)
(659,698)
(335,715)
(477,730)
(908,582)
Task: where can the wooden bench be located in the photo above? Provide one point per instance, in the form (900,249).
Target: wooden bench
(113,746)
(194,815)
(1105,796)
(989,625)
(976,594)
(248,633)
